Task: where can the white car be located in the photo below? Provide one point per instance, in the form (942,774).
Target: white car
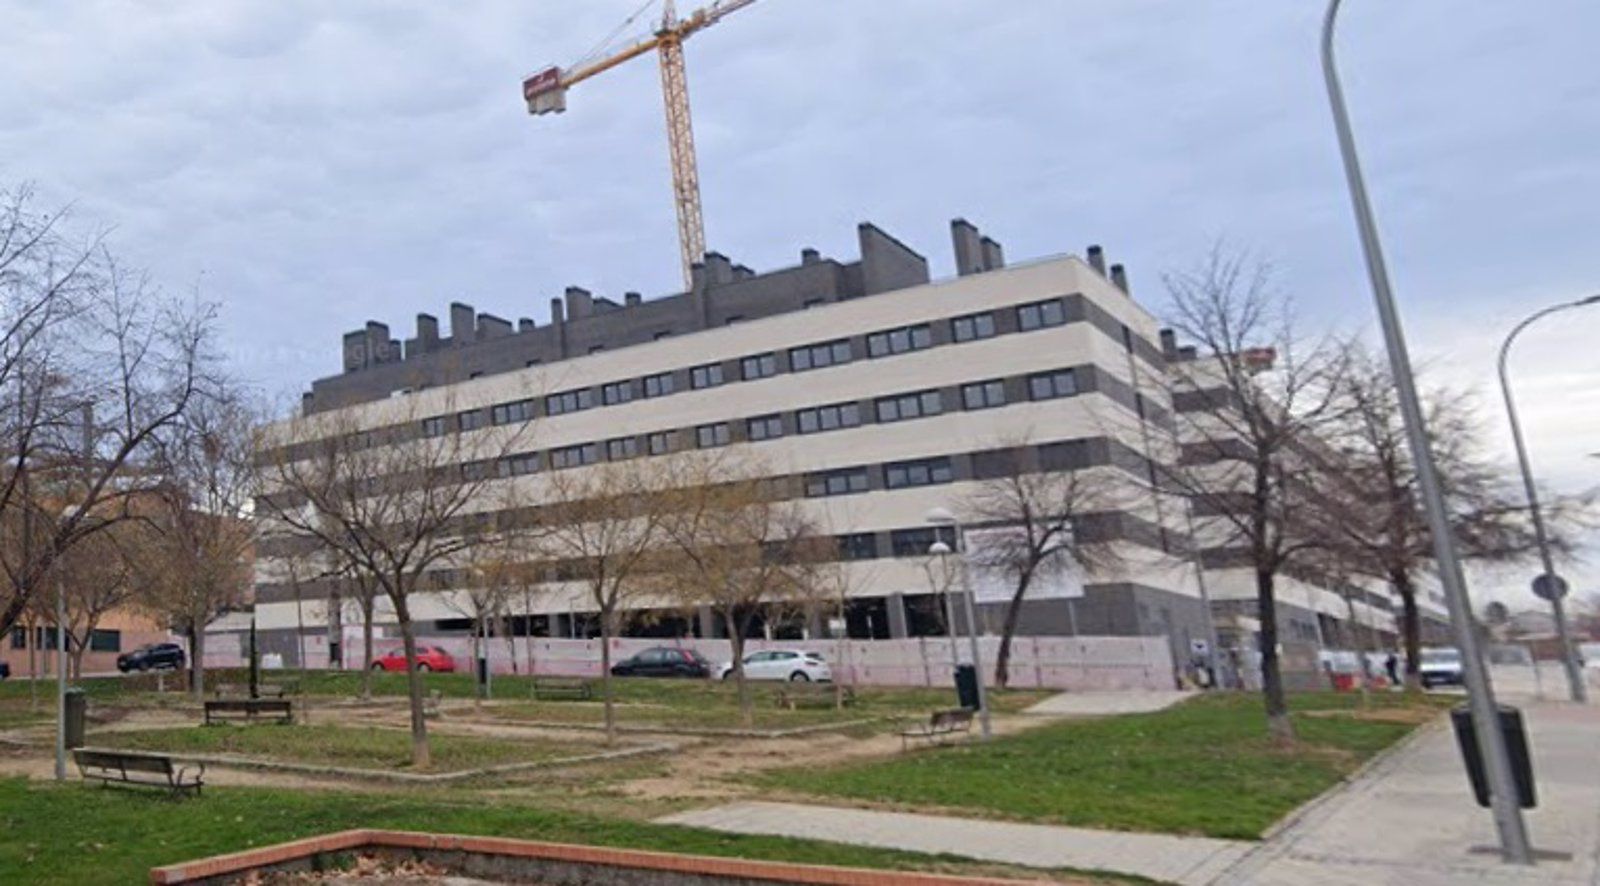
(1441,666)
(794,665)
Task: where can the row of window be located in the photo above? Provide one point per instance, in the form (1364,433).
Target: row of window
(45,638)
(896,475)
(890,342)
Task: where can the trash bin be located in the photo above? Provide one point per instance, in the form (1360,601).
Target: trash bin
(1516,741)
(77,705)
(483,672)
(967,686)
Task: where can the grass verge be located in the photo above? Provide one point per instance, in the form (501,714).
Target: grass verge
(71,834)
(1202,767)
(360,747)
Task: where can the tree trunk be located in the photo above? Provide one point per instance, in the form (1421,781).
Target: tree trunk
(421,758)
(527,608)
(606,629)
(366,649)
(1279,726)
(33,665)
(197,662)
(1002,659)
(1410,627)
(736,632)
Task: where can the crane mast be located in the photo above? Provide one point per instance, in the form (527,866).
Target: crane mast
(546,92)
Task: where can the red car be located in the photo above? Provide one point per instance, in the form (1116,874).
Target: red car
(429,658)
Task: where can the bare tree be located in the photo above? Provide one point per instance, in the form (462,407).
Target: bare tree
(1258,398)
(97,576)
(1033,523)
(392,504)
(601,523)
(1373,507)
(194,564)
(97,368)
(737,543)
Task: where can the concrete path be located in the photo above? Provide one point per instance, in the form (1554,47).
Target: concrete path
(1185,860)
(1411,819)
(1096,704)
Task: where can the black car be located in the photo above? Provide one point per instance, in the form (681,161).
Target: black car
(156,656)
(661,661)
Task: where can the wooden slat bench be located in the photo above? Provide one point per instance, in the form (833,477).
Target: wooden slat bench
(142,769)
(249,710)
(562,687)
(940,725)
(812,695)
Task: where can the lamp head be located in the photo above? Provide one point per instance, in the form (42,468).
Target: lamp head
(938,549)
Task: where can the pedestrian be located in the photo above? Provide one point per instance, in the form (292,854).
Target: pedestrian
(1392,665)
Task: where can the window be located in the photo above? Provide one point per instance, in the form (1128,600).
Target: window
(470,421)
(573,456)
(830,353)
(905,406)
(983,394)
(569,401)
(473,471)
(758,366)
(622,448)
(658,385)
(916,542)
(616,392)
(708,436)
(433,427)
(507,413)
(105,641)
(828,418)
(899,341)
(517,465)
(1041,314)
(858,546)
(906,474)
(660,443)
(764,427)
(19,638)
(707,376)
(1049,385)
(972,327)
(845,482)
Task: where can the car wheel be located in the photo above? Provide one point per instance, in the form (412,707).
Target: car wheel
(423,667)
(799,677)
(377,666)
(144,666)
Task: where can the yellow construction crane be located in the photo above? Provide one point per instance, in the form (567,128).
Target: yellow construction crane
(546,92)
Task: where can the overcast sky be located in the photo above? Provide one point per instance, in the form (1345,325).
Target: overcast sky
(311,165)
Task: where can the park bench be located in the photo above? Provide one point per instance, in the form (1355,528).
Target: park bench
(562,687)
(940,725)
(140,769)
(812,695)
(249,710)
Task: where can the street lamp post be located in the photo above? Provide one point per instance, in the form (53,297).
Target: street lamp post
(1503,795)
(942,517)
(1553,585)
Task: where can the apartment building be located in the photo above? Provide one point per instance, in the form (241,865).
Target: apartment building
(888,394)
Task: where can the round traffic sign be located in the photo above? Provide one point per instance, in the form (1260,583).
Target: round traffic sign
(1550,586)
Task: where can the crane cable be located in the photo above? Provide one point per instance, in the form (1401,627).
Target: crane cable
(609,40)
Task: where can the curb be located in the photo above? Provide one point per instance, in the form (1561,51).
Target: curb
(704,732)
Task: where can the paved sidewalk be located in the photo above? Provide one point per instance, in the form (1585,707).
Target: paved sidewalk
(1185,860)
(1411,818)
(1095,704)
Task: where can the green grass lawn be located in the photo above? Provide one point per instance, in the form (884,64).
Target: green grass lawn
(71,834)
(363,747)
(1203,767)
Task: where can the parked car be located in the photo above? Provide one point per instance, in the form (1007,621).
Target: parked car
(5,670)
(429,658)
(794,665)
(1441,666)
(153,656)
(663,661)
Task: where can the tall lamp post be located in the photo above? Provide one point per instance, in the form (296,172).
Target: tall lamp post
(943,517)
(1548,585)
(1503,796)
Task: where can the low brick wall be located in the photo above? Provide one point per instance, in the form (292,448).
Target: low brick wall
(551,863)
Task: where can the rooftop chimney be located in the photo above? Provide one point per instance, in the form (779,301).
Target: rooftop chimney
(580,303)
(632,299)
(463,324)
(969,249)
(1119,278)
(809,256)
(994,258)
(526,324)
(1097,259)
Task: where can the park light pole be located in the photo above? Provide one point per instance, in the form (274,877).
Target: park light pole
(1548,585)
(1503,795)
(943,517)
